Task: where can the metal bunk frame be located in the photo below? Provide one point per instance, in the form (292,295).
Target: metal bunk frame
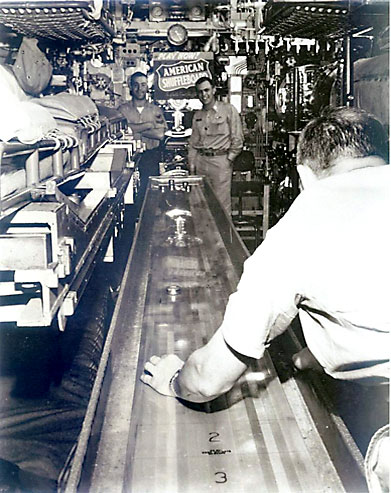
(62,21)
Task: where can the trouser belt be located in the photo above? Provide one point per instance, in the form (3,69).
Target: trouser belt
(211,152)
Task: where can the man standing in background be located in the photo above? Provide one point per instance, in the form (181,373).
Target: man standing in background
(216,140)
(147,123)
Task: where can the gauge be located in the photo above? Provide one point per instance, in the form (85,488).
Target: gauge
(157,13)
(196,13)
(177,34)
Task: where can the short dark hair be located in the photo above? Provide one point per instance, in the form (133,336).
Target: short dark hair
(338,133)
(134,76)
(205,79)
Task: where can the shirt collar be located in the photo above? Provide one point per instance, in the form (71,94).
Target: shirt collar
(214,107)
(134,106)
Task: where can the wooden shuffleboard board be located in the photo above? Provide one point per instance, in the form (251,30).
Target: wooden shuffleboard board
(185,262)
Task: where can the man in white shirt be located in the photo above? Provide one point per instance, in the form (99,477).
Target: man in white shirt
(326,260)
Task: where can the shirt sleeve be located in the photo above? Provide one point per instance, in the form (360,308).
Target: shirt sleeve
(236,134)
(266,300)
(124,111)
(160,121)
(194,139)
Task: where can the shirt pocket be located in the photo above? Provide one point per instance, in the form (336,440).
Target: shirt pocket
(199,124)
(218,125)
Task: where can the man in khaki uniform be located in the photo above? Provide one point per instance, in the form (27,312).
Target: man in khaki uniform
(217,138)
(148,125)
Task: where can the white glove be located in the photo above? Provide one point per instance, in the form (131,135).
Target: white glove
(158,372)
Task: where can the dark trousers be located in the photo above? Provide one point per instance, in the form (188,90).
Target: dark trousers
(147,166)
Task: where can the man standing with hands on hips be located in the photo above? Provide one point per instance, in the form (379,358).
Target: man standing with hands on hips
(216,140)
(147,122)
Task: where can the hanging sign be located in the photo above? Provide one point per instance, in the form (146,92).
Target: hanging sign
(176,73)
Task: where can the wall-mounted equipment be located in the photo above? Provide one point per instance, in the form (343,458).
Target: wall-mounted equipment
(157,11)
(163,10)
(177,34)
(196,10)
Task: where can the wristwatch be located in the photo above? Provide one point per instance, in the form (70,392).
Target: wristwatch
(172,385)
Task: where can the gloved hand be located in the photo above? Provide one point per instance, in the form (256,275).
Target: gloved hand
(158,372)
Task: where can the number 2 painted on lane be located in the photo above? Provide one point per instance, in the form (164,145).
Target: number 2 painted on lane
(213,436)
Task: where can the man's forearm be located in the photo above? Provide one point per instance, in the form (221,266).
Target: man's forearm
(236,135)
(191,156)
(235,147)
(181,392)
(141,127)
(154,133)
(208,372)
(232,154)
(191,385)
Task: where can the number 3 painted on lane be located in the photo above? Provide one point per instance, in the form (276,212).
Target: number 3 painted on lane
(222,476)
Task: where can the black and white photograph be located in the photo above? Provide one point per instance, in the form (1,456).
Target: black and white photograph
(195,246)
